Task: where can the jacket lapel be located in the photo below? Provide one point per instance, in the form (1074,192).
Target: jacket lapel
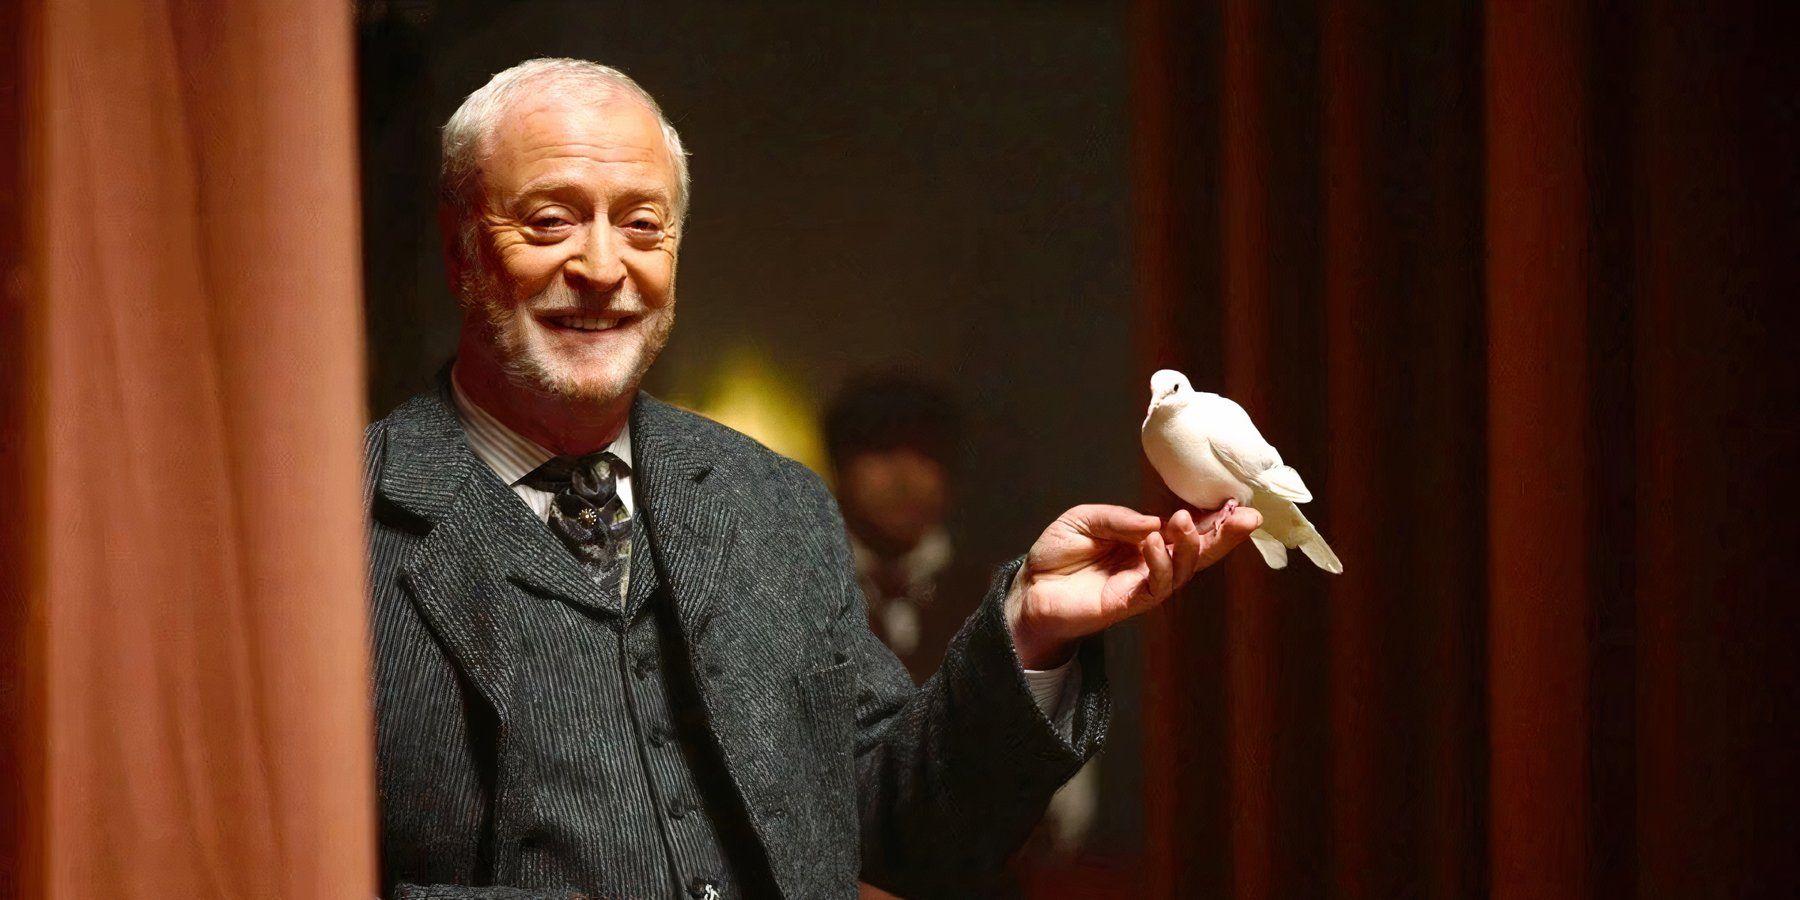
(427,473)
(450,577)
(691,527)
(477,536)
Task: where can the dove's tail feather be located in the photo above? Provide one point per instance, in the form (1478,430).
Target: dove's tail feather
(1270,547)
(1315,548)
(1285,526)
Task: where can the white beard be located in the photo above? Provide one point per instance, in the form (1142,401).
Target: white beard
(520,345)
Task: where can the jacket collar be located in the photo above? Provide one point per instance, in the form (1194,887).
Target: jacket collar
(426,459)
(679,482)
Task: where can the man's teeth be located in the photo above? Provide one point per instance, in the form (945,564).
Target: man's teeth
(585,323)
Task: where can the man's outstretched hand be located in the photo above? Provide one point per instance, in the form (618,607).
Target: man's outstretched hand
(1097,565)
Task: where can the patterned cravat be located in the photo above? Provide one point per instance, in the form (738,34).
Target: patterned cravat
(586,511)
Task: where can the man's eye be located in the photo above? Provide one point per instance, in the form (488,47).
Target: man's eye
(645,226)
(549,222)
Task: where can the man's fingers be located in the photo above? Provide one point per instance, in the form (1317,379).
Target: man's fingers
(1112,523)
(1182,535)
(1161,579)
(1243,521)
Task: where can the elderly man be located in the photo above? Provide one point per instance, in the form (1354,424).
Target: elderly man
(621,650)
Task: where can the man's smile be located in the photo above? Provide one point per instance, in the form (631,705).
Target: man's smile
(584,322)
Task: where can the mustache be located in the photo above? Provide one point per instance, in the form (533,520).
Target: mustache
(559,298)
(480,289)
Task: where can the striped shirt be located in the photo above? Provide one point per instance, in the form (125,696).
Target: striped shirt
(513,456)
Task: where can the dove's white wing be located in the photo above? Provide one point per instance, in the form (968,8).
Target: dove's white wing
(1259,472)
(1283,482)
(1251,458)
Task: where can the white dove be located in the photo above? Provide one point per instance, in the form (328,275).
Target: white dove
(1210,454)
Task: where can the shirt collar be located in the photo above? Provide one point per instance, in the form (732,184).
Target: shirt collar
(511,455)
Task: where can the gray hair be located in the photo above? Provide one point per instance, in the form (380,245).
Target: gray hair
(467,133)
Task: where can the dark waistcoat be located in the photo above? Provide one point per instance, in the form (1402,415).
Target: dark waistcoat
(611,737)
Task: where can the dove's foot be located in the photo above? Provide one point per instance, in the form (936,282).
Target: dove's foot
(1214,522)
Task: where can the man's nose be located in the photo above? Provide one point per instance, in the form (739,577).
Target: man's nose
(597,262)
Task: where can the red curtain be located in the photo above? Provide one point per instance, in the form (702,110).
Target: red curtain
(186,677)
(1501,283)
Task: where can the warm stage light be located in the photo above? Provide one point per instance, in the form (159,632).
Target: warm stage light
(748,391)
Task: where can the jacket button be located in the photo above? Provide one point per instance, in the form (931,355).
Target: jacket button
(702,888)
(645,664)
(678,809)
(661,736)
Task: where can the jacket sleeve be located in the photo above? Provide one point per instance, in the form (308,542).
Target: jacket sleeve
(953,775)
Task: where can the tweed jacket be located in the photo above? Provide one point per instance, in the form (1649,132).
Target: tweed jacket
(843,767)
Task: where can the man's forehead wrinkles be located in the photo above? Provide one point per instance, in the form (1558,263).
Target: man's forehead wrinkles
(573,155)
(576,174)
(608,154)
(603,153)
(574,163)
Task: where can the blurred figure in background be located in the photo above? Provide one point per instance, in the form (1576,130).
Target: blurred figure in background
(893,441)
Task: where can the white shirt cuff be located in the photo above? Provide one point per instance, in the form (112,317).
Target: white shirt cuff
(1048,689)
